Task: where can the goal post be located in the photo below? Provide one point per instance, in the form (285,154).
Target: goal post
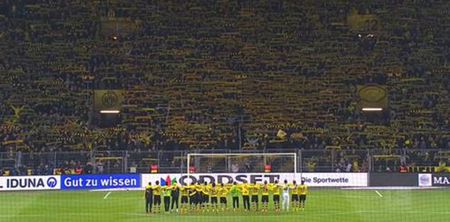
(248,163)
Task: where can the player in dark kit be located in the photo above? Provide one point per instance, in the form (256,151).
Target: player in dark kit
(175,194)
(148,198)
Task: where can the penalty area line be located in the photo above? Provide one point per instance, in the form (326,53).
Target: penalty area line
(379,194)
(107,195)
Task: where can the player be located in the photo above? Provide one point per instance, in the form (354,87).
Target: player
(148,198)
(166,193)
(223,192)
(286,191)
(275,188)
(199,196)
(245,195)
(157,196)
(184,190)
(294,189)
(303,191)
(234,190)
(205,197)
(192,196)
(175,196)
(254,192)
(213,191)
(265,189)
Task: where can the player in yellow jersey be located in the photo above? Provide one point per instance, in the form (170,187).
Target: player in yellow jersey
(184,190)
(295,203)
(275,188)
(245,195)
(214,192)
(302,191)
(228,185)
(148,198)
(254,193)
(199,195)
(157,190)
(192,196)
(265,189)
(223,192)
(205,196)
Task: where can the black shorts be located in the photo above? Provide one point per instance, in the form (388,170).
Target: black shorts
(255,198)
(223,200)
(205,198)
(198,198)
(157,199)
(214,200)
(294,197)
(265,199)
(302,198)
(184,199)
(276,198)
(193,199)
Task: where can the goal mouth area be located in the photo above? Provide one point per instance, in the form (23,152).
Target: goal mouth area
(259,161)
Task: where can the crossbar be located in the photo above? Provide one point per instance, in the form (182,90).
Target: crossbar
(240,154)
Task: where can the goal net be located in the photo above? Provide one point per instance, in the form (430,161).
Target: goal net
(201,163)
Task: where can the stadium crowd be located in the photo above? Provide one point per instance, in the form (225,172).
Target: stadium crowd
(226,75)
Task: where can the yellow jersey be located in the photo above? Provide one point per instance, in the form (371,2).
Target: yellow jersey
(244,189)
(223,191)
(265,189)
(206,189)
(191,189)
(198,188)
(254,189)
(275,188)
(148,188)
(184,190)
(294,188)
(302,189)
(157,189)
(213,191)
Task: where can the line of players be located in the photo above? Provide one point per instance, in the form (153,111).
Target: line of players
(204,197)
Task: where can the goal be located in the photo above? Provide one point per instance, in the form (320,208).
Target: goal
(242,163)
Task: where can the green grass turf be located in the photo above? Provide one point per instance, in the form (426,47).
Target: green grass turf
(322,205)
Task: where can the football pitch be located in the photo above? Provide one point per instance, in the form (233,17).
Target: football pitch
(322,205)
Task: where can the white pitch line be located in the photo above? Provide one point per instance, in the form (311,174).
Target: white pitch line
(107,195)
(379,194)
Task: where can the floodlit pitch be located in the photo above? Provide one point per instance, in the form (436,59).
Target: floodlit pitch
(322,205)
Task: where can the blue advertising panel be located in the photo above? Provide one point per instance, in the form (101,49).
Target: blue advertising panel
(112,181)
